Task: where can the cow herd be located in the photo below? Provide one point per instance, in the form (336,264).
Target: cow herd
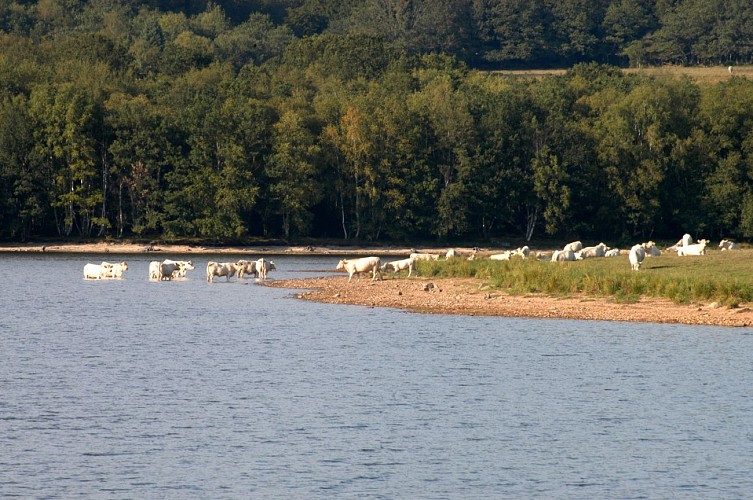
(168,269)
(571,252)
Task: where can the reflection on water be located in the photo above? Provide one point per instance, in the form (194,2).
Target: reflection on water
(187,389)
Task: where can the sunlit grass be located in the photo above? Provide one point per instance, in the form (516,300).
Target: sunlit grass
(701,74)
(724,277)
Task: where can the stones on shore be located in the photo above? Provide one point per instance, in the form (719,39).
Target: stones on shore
(428,287)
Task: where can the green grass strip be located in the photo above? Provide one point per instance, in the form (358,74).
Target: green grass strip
(723,277)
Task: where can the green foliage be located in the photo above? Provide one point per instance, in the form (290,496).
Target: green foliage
(720,277)
(222,120)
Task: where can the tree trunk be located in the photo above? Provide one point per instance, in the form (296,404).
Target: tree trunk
(358,207)
(531,217)
(342,215)
(105,168)
(120,210)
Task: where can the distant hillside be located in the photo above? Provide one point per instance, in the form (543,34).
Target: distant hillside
(699,74)
(484,34)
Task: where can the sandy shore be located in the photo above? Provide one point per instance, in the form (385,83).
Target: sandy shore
(469,296)
(135,248)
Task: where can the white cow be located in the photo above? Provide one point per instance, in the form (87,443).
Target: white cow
(695,249)
(612,252)
(114,270)
(183,266)
(362,265)
(424,256)
(684,241)
(563,255)
(163,271)
(105,270)
(575,246)
(263,266)
(523,252)
(728,245)
(226,269)
(95,271)
(155,270)
(651,249)
(591,252)
(399,265)
(451,253)
(501,256)
(246,267)
(636,256)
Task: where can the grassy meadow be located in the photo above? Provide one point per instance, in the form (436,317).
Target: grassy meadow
(723,277)
(700,74)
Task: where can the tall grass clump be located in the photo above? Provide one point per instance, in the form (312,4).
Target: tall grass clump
(724,277)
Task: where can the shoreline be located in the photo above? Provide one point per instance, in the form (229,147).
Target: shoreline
(460,296)
(141,248)
(470,297)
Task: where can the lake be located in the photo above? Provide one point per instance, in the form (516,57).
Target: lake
(136,389)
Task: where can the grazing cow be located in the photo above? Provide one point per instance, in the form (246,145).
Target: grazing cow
(612,252)
(399,265)
(591,252)
(501,256)
(263,266)
(683,242)
(115,270)
(636,256)
(247,267)
(424,256)
(563,255)
(695,249)
(523,252)
(651,249)
(728,245)
(363,265)
(575,246)
(226,269)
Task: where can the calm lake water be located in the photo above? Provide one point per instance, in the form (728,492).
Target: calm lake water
(136,389)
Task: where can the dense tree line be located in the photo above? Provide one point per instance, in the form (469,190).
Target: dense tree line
(484,34)
(234,119)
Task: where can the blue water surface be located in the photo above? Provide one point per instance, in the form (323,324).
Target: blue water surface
(136,389)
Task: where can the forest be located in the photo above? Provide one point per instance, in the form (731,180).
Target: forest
(372,120)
